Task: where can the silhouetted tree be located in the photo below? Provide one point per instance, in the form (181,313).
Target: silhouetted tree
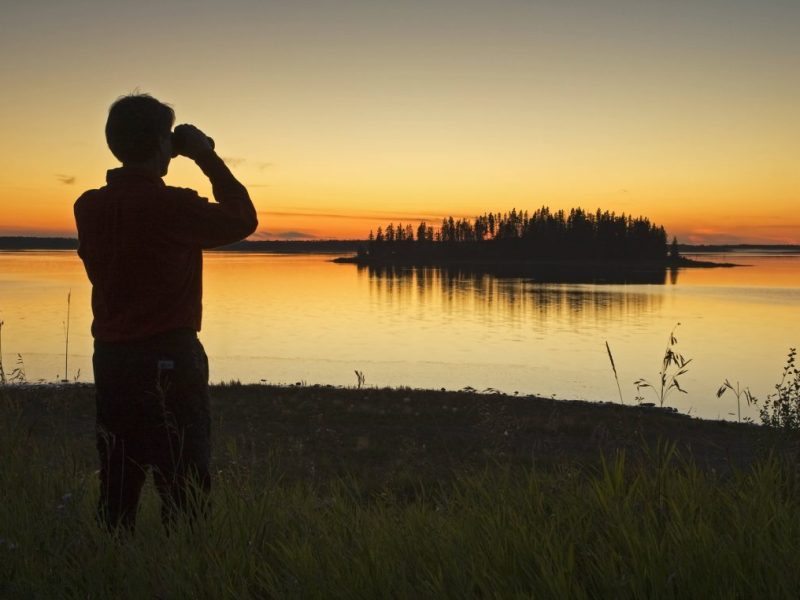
(524,235)
(673,249)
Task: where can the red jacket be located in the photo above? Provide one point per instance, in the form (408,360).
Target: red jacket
(141,242)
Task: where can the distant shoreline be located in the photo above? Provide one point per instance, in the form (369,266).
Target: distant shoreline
(21,243)
(24,243)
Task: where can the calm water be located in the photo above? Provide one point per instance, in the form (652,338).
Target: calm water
(287,319)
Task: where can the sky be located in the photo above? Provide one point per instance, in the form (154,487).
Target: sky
(343,115)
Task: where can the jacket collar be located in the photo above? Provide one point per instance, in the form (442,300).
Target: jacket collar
(124,173)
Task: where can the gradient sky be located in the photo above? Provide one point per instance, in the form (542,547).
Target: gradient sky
(340,116)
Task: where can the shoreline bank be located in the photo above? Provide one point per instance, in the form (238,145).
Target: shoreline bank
(384,433)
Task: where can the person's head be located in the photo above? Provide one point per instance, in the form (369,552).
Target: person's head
(138,131)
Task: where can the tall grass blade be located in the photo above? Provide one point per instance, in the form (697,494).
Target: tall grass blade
(66,339)
(614,368)
(2,371)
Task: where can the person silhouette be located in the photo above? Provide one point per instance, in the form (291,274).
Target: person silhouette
(141,244)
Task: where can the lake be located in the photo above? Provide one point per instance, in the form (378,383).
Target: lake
(302,318)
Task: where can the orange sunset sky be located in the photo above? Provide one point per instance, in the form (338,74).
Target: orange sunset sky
(344,115)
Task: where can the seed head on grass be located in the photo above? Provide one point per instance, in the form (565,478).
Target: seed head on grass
(668,380)
(360,378)
(738,392)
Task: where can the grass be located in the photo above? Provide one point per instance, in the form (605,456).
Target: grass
(738,393)
(66,340)
(614,369)
(2,371)
(673,366)
(331,493)
(782,408)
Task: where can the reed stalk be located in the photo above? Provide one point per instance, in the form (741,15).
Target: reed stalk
(614,368)
(66,339)
(2,371)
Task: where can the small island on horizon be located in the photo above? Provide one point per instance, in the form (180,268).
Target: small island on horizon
(547,245)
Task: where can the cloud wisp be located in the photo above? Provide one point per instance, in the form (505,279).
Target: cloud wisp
(234,161)
(751,234)
(238,161)
(283,235)
(371,216)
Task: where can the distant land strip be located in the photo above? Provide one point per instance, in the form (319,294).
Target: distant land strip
(264,246)
(338,246)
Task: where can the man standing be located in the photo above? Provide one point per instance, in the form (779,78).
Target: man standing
(141,242)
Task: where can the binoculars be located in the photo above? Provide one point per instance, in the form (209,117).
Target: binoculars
(178,141)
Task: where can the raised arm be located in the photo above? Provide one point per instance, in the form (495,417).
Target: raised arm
(194,221)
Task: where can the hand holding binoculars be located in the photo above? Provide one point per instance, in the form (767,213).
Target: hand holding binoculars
(188,140)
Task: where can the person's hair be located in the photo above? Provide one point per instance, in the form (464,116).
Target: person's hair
(134,126)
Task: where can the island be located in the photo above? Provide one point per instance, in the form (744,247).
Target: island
(545,245)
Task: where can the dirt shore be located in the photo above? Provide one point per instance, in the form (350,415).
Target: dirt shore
(391,436)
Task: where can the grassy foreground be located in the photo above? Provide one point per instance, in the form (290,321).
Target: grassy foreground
(334,493)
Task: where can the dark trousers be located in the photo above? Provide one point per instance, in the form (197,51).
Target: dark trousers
(152,413)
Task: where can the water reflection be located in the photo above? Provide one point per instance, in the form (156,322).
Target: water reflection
(465,292)
(552,273)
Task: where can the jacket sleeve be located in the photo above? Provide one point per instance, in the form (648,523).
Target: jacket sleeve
(193,221)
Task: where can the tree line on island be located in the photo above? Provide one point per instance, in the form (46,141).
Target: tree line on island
(543,234)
